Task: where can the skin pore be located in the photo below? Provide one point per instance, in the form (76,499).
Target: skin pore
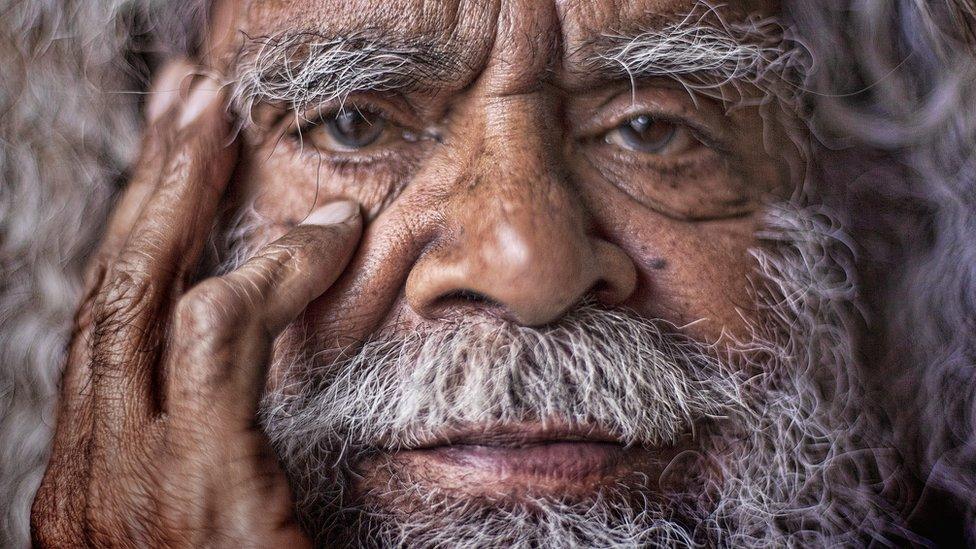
(514,188)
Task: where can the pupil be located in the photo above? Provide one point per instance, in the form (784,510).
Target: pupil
(355,129)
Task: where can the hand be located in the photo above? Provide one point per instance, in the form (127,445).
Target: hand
(156,442)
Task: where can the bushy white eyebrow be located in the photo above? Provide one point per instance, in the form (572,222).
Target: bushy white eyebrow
(706,53)
(304,69)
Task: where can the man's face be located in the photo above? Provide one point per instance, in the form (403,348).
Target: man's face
(512,170)
(561,196)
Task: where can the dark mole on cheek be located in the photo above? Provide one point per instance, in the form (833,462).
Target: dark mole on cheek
(657,263)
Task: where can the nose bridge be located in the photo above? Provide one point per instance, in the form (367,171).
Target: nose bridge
(524,236)
(513,231)
(517,176)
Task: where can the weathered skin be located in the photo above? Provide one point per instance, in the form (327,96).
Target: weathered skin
(522,201)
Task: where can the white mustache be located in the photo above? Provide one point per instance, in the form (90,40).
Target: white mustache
(630,377)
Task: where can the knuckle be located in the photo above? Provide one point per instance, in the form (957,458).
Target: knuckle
(134,264)
(211,307)
(121,319)
(268,264)
(304,246)
(56,516)
(185,167)
(48,531)
(179,165)
(257,279)
(123,297)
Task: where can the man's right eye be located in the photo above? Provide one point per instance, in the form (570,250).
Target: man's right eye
(350,130)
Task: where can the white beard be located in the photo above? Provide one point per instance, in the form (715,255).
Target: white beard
(795,457)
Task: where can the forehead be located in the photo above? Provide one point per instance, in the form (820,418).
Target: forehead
(475,26)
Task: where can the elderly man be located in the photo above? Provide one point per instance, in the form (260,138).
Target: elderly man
(473,273)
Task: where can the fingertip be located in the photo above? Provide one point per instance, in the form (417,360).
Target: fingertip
(168,88)
(206,91)
(335,213)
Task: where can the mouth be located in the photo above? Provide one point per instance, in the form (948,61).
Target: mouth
(551,460)
(523,459)
(526,450)
(516,436)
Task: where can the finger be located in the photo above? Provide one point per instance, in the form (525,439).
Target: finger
(74,411)
(283,278)
(170,230)
(131,310)
(227,324)
(169,88)
(164,99)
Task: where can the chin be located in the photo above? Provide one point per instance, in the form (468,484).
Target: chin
(552,494)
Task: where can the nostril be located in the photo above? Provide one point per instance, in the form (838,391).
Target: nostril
(601,291)
(605,292)
(601,287)
(469,295)
(464,298)
(616,278)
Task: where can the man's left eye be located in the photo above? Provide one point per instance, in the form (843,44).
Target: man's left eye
(350,130)
(647,135)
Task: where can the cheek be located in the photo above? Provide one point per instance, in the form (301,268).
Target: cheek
(368,297)
(278,191)
(692,274)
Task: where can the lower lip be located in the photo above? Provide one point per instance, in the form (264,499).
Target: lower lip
(553,460)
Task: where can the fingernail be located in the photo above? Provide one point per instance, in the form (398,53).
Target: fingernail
(166,91)
(203,95)
(335,213)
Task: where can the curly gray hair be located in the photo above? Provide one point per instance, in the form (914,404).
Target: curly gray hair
(895,102)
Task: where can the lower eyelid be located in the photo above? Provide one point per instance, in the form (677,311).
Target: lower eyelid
(624,156)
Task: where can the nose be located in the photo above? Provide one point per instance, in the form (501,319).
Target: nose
(516,239)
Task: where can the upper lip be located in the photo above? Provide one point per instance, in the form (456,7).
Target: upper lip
(516,435)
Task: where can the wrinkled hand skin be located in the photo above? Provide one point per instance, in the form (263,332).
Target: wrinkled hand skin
(156,442)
